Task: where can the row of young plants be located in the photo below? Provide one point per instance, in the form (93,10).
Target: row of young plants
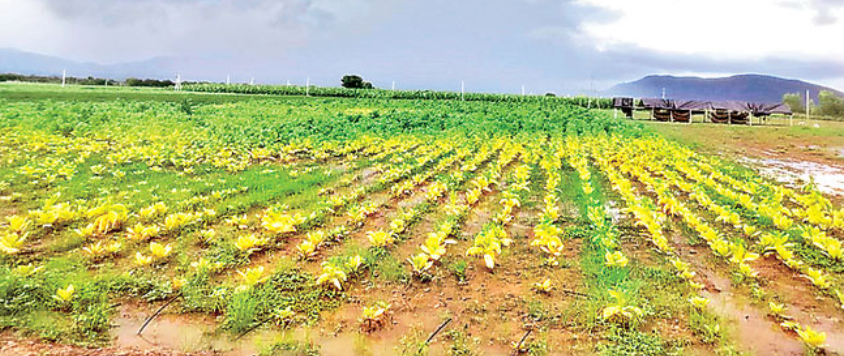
(623,305)
(547,235)
(739,212)
(160,251)
(277,222)
(493,237)
(733,251)
(105,216)
(336,270)
(702,320)
(242,302)
(436,243)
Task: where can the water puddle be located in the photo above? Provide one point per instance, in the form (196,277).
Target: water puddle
(804,304)
(754,331)
(185,333)
(829,179)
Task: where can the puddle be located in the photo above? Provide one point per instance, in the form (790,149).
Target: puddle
(349,340)
(754,331)
(186,333)
(829,179)
(805,306)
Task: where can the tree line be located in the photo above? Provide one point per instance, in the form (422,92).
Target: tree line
(132,82)
(829,104)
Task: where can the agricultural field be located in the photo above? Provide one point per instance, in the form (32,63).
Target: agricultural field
(288,225)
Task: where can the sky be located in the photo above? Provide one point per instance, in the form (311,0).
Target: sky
(561,46)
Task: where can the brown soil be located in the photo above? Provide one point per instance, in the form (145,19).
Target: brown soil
(751,327)
(11,345)
(492,306)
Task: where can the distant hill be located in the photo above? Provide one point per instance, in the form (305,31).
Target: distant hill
(27,63)
(747,87)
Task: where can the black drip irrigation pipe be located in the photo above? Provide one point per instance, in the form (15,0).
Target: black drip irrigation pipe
(521,342)
(262,322)
(157,312)
(434,334)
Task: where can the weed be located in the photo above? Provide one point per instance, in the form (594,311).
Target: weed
(461,344)
(242,312)
(631,342)
(458,270)
(412,343)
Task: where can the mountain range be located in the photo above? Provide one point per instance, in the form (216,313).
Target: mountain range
(745,87)
(28,63)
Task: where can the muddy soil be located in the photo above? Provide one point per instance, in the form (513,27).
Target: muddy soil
(11,345)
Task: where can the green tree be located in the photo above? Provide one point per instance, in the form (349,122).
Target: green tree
(795,101)
(830,104)
(354,81)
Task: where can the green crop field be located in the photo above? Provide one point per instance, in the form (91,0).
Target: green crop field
(396,223)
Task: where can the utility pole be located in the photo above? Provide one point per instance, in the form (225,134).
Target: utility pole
(808,102)
(462,89)
(64,76)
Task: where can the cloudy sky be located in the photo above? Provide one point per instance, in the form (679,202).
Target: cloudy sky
(565,46)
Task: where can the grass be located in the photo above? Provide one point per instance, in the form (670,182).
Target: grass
(291,347)
(624,342)
(460,343)
(458,270)
(29,304)
(740,141)
(286,288)
(653,288)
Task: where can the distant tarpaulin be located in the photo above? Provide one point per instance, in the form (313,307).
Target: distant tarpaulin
(665,104)
(765,109)
(625,105)
(757,109)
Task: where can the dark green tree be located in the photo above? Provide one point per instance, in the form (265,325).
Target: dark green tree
(354,81)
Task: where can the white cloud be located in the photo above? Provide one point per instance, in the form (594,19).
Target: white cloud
(23,24)
(126,30)
(721,29)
